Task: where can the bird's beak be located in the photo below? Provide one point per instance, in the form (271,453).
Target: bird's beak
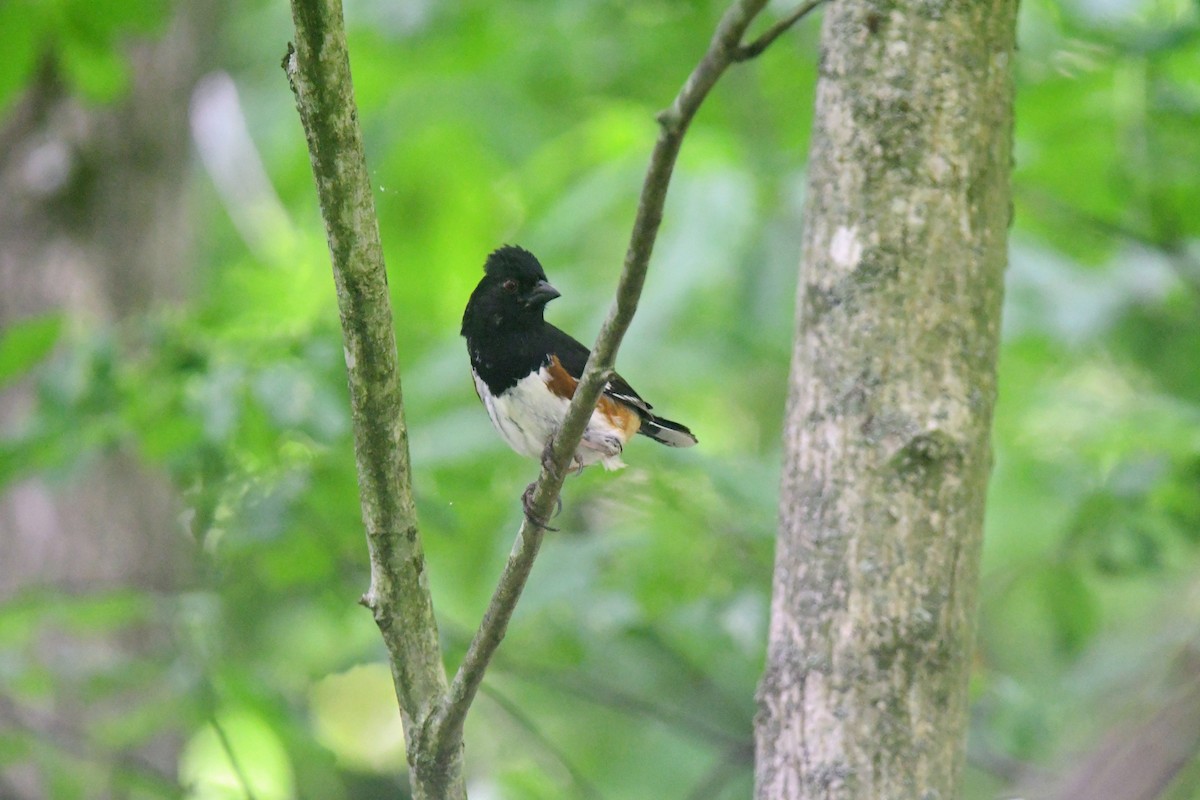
(541,294)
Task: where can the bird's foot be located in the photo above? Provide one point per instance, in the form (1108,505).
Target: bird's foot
(575,465)
(548,455)
(527,504)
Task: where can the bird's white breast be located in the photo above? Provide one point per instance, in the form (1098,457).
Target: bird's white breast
(528,414)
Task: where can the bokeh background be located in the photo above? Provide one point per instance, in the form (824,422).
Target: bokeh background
(180,544)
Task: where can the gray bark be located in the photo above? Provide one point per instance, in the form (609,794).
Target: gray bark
(318,70)
(893,383)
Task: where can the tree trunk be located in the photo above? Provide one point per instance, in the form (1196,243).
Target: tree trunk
(94,224)
(891,395)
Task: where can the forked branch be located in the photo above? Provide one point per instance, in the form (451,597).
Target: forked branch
(445,727)
(319,72)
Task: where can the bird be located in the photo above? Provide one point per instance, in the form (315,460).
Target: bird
(525,370)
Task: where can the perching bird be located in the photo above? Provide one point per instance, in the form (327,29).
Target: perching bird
(526,370)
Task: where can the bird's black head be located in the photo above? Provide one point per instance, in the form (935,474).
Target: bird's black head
(512,294)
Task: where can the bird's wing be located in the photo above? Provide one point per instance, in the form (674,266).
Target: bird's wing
(573,356)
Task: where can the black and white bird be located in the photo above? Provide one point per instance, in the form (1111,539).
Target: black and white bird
(526,370)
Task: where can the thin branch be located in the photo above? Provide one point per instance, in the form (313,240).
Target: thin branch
(724,771)
(755,48)
(319,73)
(592,689)
(445,725)
(1139,761)
(1174,249)
(318,70)
(586,788)
(616,699)
(236,763)
(736,708)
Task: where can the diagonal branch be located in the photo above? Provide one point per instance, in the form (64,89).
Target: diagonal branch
(318,70)
(445,725)
(586,788)
(746,52)
(597,692)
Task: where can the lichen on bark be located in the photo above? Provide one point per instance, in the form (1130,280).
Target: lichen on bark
(891,394)
(318,69)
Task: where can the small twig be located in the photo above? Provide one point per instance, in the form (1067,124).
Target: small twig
(226,745)
(694,673)
(586,788)
(595,691)
(445,725)
(755,48)
(616,699)
(723,772)
(1174,249)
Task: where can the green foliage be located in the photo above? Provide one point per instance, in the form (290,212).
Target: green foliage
(25,344)
(630,668)
(84,41)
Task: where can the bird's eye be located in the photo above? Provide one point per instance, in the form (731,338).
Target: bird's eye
(510,285)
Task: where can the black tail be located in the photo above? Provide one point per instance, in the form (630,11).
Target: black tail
(667,432)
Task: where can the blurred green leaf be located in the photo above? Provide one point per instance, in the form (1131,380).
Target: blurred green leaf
(26,343)
(14,746)
(95,70)
(98,613)
(21,36)
(354,715)
(1072,606)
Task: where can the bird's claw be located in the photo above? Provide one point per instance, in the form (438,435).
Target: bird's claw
(548,459)
(527,504)
(548,455)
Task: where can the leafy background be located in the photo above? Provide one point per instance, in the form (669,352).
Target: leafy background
(245,668)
